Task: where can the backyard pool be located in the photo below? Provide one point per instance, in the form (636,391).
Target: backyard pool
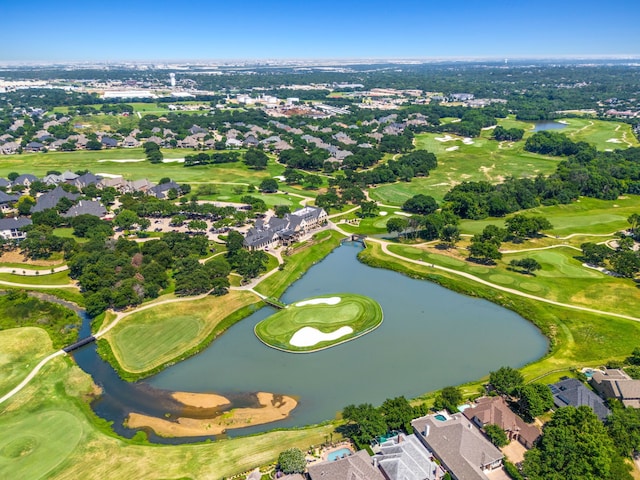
(337,454)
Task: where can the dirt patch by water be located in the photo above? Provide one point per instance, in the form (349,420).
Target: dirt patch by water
(201,400)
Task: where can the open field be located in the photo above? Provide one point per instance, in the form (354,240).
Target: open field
(58,278)
(485,159)
(49,432)
(327,320)
(587,215)
(20,350)
(562,278)
(152,337)
(229,193)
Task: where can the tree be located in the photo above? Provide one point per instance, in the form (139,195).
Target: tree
(533,400)
(497,435)
(625,263)
(281,210)
(126,219)
(623,426)
(256,159)
(369,209)
(269,185)
(574,446)
(365,423)
(449,398)
(523,226)
(527,265)
(25,204)
(397,224)
(292,461)
(94,145)
(450,235)
(397,413)
(484,252)
(197,225)
(313,181)
(420,204)
(595,254)
(505,380)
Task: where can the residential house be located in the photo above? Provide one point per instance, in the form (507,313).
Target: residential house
(344,138)
(130,142)
(11,228)
(86,207)
(615,383)
(358,466)
(404,457)
(162,191)
(51,198)
(4,183)
(34,147)
(7,201)
(251,141)
(233,143)
(54,179)
(571,391)
(458,444)
(85,180)
(109,142)
(189,142)
(9,148)
(26,179)
(495,411)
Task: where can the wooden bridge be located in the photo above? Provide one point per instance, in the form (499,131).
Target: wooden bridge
(274,302)
(79,343)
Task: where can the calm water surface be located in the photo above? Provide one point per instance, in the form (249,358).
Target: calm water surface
(431,337)
(548,125)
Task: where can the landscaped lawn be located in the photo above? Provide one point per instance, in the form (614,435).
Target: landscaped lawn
(604,135)
(327,321)
(58,278)
(155,336)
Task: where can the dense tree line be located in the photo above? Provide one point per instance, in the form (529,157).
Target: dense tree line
(214,158)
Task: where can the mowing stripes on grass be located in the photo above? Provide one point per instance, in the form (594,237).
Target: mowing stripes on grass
(315,324)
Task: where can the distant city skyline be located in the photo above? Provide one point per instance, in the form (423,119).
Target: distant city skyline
(64,31)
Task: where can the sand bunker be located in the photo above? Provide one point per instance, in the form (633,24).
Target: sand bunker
(173,160)
(467,141)
(274,407)
(200,400)
(614,140)
(319,301)
(446,138)
(126,160)
(451,149)
(108,175)
(404,214)
(489,128)
(280,178)
(309,336)
(384,214)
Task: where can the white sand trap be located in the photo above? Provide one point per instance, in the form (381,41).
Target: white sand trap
(108,175)
(173,160)
(451,149)
(614,140)
(404,214)
(446,138)
(456,120)
(564,122)
(384,214)
(320,301)
(467,141)
(126,160)
(280,178)
(489,128)
(309,336)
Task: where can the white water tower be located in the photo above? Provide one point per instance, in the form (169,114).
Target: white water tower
(172,76)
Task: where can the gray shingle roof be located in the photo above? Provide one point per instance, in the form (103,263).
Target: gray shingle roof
(14,223)
(572,391)
(405,458)
(86,207)
(51,199)
(354,467)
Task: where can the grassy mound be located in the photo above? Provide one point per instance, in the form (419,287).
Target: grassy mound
(314,324)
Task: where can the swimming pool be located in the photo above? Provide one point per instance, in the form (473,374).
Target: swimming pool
(336,454)
(440,417)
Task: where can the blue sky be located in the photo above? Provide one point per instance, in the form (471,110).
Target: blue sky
(37,30)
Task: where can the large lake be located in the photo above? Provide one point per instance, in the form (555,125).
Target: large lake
(431,337)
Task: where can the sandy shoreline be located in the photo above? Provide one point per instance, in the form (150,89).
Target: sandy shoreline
(200,400)
(274,407)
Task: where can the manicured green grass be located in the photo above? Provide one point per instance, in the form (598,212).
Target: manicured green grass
(20,349)
(155,336)
(296,264)
(485,159)
(369,226)
(600,133)
(359,313)
(58,278)
(587,215)
(234,193)
(562,278)
(49,431)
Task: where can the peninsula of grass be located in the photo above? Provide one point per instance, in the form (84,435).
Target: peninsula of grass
(318,323)
(146,341)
